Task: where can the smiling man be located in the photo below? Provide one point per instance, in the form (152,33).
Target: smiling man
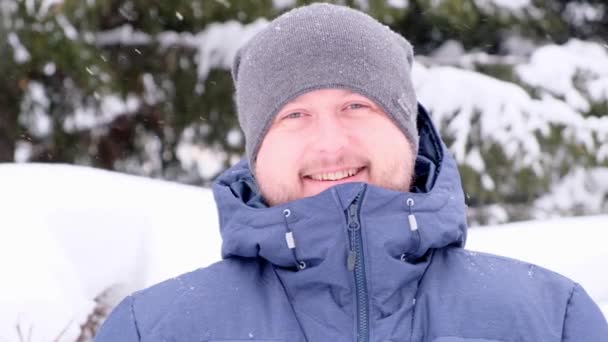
(346,221)
(328,137)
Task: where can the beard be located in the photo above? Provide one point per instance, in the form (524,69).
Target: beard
(396,174)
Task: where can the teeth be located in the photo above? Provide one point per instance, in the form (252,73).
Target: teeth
(334,176)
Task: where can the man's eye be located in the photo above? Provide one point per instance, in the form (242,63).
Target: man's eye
(356,106)
(293,115)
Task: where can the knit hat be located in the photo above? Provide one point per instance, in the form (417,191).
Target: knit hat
(316,47)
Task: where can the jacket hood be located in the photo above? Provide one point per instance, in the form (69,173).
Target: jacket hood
(251,229)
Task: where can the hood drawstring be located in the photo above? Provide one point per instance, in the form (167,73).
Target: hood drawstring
(291,242)
(413,223)
(411,218)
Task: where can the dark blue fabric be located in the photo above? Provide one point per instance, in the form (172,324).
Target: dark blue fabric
(436,292)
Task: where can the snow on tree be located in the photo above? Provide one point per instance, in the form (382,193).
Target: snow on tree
(518,88)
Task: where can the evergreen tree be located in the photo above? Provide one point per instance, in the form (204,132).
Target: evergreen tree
(144,87)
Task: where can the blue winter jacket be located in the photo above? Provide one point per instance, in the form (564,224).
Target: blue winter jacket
(357,263)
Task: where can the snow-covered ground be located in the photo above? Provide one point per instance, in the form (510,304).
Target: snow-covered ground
(70,233)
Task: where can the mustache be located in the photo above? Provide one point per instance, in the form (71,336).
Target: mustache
(329,162)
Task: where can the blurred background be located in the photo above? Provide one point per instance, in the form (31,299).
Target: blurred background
(518,88)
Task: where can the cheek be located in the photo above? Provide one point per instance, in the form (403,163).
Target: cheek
(383,134)
(277,156)
(384,143)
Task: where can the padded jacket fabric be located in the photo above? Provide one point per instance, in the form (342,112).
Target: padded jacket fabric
(357,263)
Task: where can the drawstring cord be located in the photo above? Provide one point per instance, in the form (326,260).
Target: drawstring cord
(411,218)
(413,223)
(291,242)
(301,264)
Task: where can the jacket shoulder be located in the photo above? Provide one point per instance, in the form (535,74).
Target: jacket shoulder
(486,266)
(505,278)
(481,290)
(191,301)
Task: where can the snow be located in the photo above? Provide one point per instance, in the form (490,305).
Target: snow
(46,5)
(475,161)
(581,13)
(72,233)
(283,4)
(401,4)
(234,137)
(208,161)
(450,51)
(152,93)
(97,115)
(490,6)
(567,79)
(39,280)
(35,110)
(122,35)
(49,69)
(23,151)
(509,4)
(217,44)
(7,9)
(571,71)
(68,30)
(503,110)
(475,108)
(20,53)
(515,7)
(582,190)
(362,4)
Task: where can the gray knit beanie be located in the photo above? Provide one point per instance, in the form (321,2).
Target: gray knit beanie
(322,46)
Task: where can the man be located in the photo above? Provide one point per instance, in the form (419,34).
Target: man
(347,220)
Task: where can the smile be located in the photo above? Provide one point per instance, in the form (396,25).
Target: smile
(334,176)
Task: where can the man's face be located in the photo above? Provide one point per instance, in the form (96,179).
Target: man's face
(328,137)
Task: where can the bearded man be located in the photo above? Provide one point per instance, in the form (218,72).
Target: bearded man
(346,220)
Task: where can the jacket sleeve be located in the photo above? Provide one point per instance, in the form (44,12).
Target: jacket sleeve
(583,321)
(121,325)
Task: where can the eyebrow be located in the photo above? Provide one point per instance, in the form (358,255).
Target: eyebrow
(347,93)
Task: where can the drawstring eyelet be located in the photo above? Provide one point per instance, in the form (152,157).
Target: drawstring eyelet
(286,212)
(404,257)
(302,265)
(410,203)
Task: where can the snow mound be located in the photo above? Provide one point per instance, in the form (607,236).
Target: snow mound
(71,233)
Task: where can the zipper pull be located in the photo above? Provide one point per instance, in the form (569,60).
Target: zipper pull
(351,260)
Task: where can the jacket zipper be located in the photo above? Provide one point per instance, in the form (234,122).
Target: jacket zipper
(355,263)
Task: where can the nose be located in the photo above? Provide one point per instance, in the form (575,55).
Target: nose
(331,135)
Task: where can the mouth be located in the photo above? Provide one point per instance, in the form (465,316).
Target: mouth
(334,176)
